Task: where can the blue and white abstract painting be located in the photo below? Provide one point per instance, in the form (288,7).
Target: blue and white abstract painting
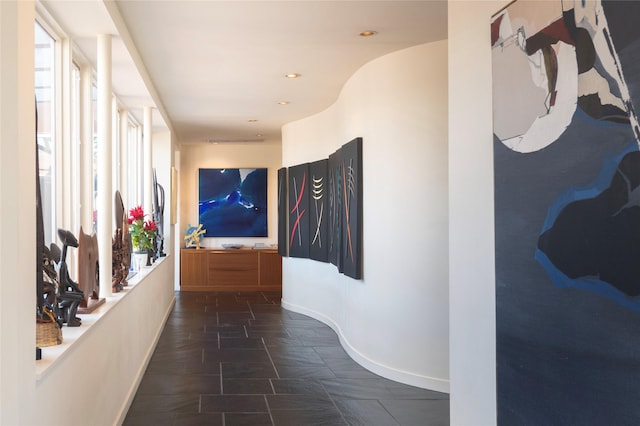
(233,202)
(566,96)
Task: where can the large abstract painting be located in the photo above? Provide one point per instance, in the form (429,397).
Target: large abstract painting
(233,202)
(283,243)
(335,208)
(318,207)
(351,245)
(566,81)
(299,211)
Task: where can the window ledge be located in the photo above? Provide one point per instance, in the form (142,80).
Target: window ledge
(72,336)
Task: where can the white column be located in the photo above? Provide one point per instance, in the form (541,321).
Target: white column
(124,159)
(105,194)
(148,173)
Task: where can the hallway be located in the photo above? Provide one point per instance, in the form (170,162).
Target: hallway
(240,359)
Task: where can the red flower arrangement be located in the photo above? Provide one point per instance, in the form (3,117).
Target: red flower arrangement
(142,233)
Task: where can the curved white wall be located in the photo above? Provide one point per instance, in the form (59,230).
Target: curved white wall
(395,320)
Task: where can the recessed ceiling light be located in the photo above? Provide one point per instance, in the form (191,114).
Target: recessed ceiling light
(368,33)
(283,103)
(292,75)
(252,120)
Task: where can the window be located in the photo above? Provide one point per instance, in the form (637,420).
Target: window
(75,146)
(44,62)
(94,152)
(133,150)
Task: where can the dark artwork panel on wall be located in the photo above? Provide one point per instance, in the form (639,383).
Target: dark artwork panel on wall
(233,202)
(283,241)
(318,211)
(351,248)
(299,211)
(566,89)
(334,231)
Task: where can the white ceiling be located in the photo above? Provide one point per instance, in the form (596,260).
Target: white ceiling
(208,67)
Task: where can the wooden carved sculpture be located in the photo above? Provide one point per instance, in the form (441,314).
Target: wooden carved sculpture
(122,247)
(88,274)
(127,248)
(117,274)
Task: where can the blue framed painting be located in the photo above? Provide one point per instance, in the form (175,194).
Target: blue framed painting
(566,149)
(233,202)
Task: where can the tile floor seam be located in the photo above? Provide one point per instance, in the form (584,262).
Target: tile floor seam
(221,379)
(266,401)
(253,316)
(270,358)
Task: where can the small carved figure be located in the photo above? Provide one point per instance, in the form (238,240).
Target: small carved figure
(70,294)
(117,274)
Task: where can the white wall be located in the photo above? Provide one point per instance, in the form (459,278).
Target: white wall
(471,238)
(395,320)
(17,213)
(236,155)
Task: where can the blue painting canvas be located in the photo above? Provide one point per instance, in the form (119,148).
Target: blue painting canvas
(233,202)
(566,92)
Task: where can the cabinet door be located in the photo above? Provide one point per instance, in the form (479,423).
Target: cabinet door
(270,269)
(193,269)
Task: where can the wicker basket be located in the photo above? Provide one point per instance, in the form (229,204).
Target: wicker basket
(48,334)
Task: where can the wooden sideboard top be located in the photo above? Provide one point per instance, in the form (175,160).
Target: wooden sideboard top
(224,250)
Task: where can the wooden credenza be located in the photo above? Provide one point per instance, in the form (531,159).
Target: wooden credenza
(230,270)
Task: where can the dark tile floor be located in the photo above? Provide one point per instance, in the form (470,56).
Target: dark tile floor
(240,359)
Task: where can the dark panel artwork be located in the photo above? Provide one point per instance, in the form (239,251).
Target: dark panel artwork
(318,211)
(283,242)
(299,211)
(233,202)
(566,89)
(351,246)
(334,175)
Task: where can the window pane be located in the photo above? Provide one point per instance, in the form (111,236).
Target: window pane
(94,155)
(132,177)
(45,103)
(75,146)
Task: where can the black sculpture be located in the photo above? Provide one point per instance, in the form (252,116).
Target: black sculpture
(49,297)
(69,294)
(40,246)
(121,246)
(158,217)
